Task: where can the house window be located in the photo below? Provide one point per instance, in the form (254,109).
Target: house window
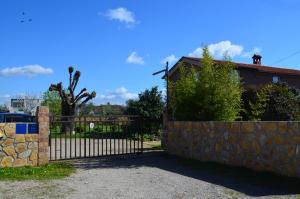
(275,79)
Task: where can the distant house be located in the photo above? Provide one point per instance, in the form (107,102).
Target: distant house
(24,105)
(253,76)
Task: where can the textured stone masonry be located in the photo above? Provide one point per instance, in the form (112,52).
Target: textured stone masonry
(262,146)
(17,150)
(43,138)
(26,149)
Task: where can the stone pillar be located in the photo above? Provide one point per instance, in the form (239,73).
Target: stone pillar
(42,115)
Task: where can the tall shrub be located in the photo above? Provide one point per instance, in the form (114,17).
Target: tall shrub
(211,93)
(219,89)
(183,99)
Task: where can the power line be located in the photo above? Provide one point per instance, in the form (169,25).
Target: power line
(287,57)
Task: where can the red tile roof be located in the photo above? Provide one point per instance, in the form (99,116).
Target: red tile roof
(260,68)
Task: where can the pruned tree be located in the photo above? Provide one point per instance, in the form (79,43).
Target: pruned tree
(69,101)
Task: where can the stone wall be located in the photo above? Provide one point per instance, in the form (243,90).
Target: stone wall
(262,146)
(42,115)
(25,149)
(17,150)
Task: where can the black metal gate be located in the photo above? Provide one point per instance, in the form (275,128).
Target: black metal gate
(89,136)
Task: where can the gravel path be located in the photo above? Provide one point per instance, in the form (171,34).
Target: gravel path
(151,175)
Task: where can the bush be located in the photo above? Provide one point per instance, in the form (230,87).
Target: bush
(183,100)
(276,102)
(149,107)
(248,97)
(211,93)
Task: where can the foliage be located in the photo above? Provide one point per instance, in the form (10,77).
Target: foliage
(149,106)
(248,96)
(132,107)
(211,93)
(219,91)
(46,172)
(276,102)
(182,95)
(3,109)
(87,109)
(53,101)
(102,110)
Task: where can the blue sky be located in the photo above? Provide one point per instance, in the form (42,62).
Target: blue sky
(117,45)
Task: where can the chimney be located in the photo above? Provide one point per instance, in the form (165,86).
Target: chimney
(256,59)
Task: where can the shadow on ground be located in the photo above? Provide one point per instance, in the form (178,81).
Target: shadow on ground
(240,179)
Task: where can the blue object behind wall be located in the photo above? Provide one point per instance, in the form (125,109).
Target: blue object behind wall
(32,128)
(27,128)
(21,128)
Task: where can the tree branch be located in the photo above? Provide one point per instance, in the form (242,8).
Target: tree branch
(82,96)
(71,69)
(75,80)
(57,87)
(90,96)
(82,91)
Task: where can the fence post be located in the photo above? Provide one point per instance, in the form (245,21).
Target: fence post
(42,115)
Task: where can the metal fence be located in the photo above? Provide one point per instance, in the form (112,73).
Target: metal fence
(86,136)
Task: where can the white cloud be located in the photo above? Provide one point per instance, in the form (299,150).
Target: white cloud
(28,70)
(171,59)
(249,54)
(218,50)
(197,53)
(117,96)
(133,58)
(122,15)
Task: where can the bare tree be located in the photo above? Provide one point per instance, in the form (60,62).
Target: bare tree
(69,101)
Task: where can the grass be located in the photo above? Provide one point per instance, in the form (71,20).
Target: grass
(47,172)
(152,145)
(156,147)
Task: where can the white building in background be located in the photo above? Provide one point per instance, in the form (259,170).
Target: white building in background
(24,105)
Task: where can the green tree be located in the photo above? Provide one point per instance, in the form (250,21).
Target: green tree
(53,101)
(211,93)
(182,95)
(218,89)
(87,109)
(149,106)
(132,107)
(275,102)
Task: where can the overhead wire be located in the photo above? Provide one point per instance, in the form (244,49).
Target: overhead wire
(285,58)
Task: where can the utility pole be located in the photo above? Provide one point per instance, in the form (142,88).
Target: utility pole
(166,77)
(164,132)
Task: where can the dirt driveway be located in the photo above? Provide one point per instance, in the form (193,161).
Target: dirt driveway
(154,175)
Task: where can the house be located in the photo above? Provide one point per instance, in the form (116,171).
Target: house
(253,76)
(24,105)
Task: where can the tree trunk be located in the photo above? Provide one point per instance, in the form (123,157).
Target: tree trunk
(68,116)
